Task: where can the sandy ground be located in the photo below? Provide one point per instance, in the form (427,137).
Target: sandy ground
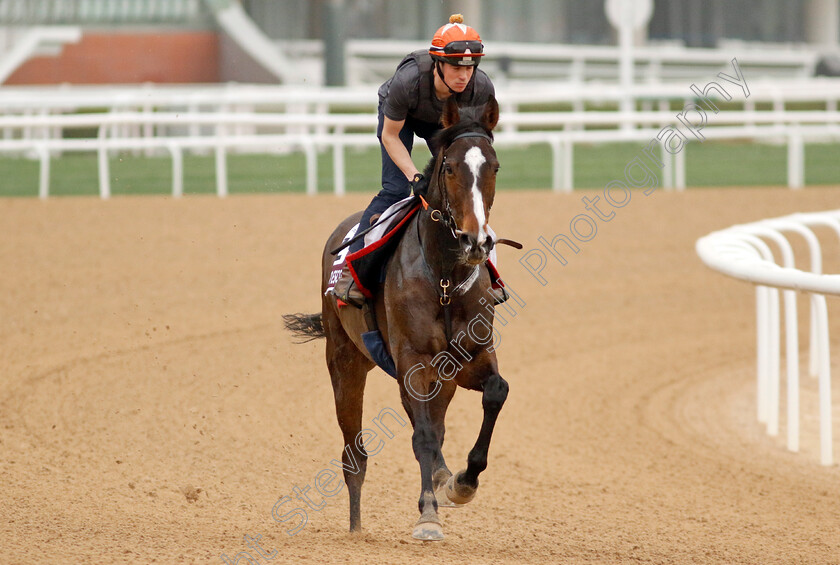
(153,409)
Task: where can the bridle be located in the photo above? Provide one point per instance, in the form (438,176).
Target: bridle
(444,287)
(445,216)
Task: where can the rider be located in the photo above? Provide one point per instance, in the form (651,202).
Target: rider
(411,102)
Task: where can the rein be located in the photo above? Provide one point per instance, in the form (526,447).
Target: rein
(444,297)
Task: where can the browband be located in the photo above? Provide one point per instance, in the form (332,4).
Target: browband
(471,134)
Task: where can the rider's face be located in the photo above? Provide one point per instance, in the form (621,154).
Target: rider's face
(456,76)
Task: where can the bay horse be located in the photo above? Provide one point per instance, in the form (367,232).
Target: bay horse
(427,310)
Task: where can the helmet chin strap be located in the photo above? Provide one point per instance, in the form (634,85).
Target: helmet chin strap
(438,66)
(443,80)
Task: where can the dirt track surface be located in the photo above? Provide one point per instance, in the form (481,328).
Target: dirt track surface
(153,409)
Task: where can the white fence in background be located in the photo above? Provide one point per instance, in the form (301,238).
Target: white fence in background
(373,61)
(156,119)
(176,133)
(742,252)
(297,99)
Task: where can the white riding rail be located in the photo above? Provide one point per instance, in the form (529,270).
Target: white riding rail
(174,133)
(374,60)
(242,116)
(296,99)
(741,253)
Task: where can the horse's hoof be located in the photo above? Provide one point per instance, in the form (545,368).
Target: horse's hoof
(443,499)
(458,493)
(428,531)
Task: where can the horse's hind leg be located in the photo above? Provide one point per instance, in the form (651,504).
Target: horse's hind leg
(348,372)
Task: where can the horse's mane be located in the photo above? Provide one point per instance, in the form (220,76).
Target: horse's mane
(430,168)
(470,122)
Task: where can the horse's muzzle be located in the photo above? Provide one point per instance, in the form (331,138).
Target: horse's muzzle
(473,252)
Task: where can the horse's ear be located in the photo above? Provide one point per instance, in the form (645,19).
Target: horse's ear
(451,115)
(491,114)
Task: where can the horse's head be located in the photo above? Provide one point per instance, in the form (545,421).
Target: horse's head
(466,170)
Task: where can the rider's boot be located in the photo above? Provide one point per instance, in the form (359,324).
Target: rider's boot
(497,289)
(346,289)
(500,295)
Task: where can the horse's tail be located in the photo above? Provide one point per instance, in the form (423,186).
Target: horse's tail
(305,326)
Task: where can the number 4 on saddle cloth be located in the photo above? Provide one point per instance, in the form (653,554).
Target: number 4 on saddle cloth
(367,266)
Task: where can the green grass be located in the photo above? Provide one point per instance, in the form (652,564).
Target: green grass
(707,164)
(737,164)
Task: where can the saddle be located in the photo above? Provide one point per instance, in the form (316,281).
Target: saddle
(368,267)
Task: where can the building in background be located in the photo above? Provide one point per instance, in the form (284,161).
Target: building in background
(198,41)
(696,23)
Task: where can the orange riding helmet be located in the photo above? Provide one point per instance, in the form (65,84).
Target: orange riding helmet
(457,44)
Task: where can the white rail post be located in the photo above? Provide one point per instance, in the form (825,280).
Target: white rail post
(792,370)
(338,167)
(764,301)
(557,164)
(826,455)
(762,331)
(775,362)
(221,171)
(679,168)
(667,167)
(104,167)
(44,172)
(177,170)
(796,160)
(569,168)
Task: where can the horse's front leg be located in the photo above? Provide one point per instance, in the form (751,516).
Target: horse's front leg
(461,487)
(437,409)
(420,388)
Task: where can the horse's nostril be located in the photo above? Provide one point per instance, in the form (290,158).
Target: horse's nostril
(465,240)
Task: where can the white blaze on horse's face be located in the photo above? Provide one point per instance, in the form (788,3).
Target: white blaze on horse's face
(474,159)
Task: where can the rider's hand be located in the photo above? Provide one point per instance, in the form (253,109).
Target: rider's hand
(419,184)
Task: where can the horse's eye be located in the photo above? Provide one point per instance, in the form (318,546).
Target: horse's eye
(448,168)
(496,169)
